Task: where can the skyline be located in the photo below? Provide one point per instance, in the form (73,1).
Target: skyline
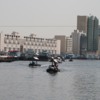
(45,18)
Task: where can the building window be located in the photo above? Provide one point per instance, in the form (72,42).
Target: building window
(13,48)
(28,43)
(13,42)
(7,37)
(5,48)
(5,41)
(35,44)
(24,49)
(35,50)
(9,48)
(55,51)
(9,42)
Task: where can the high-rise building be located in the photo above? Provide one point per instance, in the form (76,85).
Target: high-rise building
(92,34)
(99,45)
(76,42)
(99,30)
(82,23)
(69,45)
(90,26)
(83,44)
(95,35)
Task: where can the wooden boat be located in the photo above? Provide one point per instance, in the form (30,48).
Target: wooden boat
(70,59)
(6,58)
(52,69)
(34,62)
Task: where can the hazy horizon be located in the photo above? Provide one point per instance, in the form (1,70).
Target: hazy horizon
(45,18)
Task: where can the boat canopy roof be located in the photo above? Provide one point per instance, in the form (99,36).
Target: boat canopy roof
(55,60)
(36,58)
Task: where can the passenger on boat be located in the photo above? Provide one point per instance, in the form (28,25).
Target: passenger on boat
(55,63)
(33,63)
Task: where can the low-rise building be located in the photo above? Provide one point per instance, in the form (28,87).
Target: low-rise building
(14,41)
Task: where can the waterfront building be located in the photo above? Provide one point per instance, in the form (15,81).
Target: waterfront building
(98,45)
(62,38)
(69,45)
(92,34)
(14,41)
(82,23)
(90,26)
(96,34)
(83,44)
(99,30)
(76,42)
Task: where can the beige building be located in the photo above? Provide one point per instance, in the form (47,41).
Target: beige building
(14,41)
(69,45)
(82,23)
(62,38)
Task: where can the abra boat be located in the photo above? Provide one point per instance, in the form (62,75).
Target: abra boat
(34,62)
(70,59)
(52,69)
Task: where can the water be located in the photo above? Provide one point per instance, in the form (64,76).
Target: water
(78,80)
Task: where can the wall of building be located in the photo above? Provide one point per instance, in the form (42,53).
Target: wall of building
(82,23)
(69,45)
(92,34)
(99,45)
(76,42)
(2,42)
(83,44)
(15,42)
(62,38)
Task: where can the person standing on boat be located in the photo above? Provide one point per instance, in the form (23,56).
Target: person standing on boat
(55,63)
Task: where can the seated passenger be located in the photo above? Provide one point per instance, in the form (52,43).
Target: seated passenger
(33,63)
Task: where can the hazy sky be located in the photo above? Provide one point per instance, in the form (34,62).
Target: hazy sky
(52,15)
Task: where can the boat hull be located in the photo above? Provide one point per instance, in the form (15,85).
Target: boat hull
(34,65)
(52,70)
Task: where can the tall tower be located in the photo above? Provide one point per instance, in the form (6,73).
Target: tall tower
(96,33)
(92,34)
(82,23)
(76,42)
(90,25)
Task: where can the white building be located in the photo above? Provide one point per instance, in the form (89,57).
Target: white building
(13,41)
(76,42)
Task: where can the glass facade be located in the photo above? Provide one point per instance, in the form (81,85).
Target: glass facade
(92,34)
(95,35)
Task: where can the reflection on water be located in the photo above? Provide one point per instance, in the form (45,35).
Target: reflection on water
(77,80)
